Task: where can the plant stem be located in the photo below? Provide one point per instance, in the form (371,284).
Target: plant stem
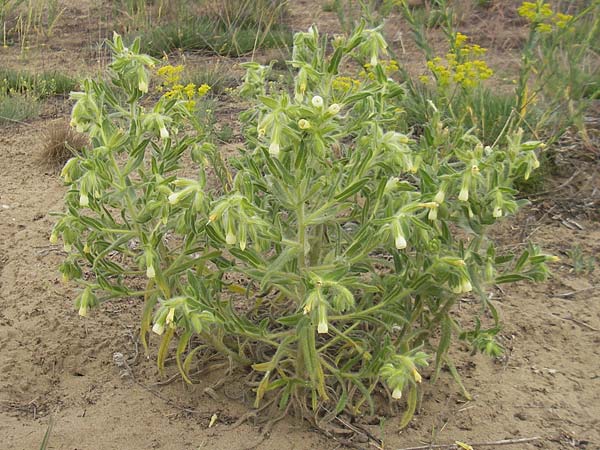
(301,235)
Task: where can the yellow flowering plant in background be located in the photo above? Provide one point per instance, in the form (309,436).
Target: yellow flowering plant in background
(462,66)
(557,79)
(559,66)
(172,88)
(542,17)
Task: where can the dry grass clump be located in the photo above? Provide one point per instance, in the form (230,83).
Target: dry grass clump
(61,142)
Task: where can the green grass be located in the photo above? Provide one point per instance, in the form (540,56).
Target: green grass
(568,71)
(485,111)
(44,84)
(17,108)
(205,35)
(217,76)
(227,27)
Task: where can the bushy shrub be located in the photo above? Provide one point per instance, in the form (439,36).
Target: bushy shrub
(327,259)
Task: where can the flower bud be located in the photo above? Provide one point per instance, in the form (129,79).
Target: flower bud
(143,86)
(86,300)
(465,286)
(402,138)
(170,316)
(317,101)
(489,271)
(69,169)
(230,238)
(158,328)
(323,326)
(416,375)
(456,262)
(303,124)
(174,198)
(150,272)
(400,242)
(274,149)
(439,197)
(398,234)
(334,108)
(243,237)
(54,237)
(391,184)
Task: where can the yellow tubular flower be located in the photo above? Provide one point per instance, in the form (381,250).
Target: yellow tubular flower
(416,375)
(303,124)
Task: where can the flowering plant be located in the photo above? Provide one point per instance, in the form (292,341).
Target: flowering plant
(327,258)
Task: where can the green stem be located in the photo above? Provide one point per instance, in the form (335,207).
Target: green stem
(221,347)
(373,308)
(301,235)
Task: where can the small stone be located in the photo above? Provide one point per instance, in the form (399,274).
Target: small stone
(521,415)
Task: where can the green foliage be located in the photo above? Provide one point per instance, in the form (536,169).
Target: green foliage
(21,92)
(328,260)
(483,110)
(46,439)
(230,28)
(351,12)
(483,3)
(16,107)
(561,66)
(557,81)
(582,263)
(329,6)
(204,34)
(22,20)
(41,85)
(218,76)
(259,14)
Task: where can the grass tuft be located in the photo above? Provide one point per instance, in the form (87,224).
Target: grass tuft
(61,142)
(203,35)
(218,76)
(228,28)
(44,84)
(15,108)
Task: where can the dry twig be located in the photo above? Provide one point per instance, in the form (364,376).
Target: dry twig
(475,444)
